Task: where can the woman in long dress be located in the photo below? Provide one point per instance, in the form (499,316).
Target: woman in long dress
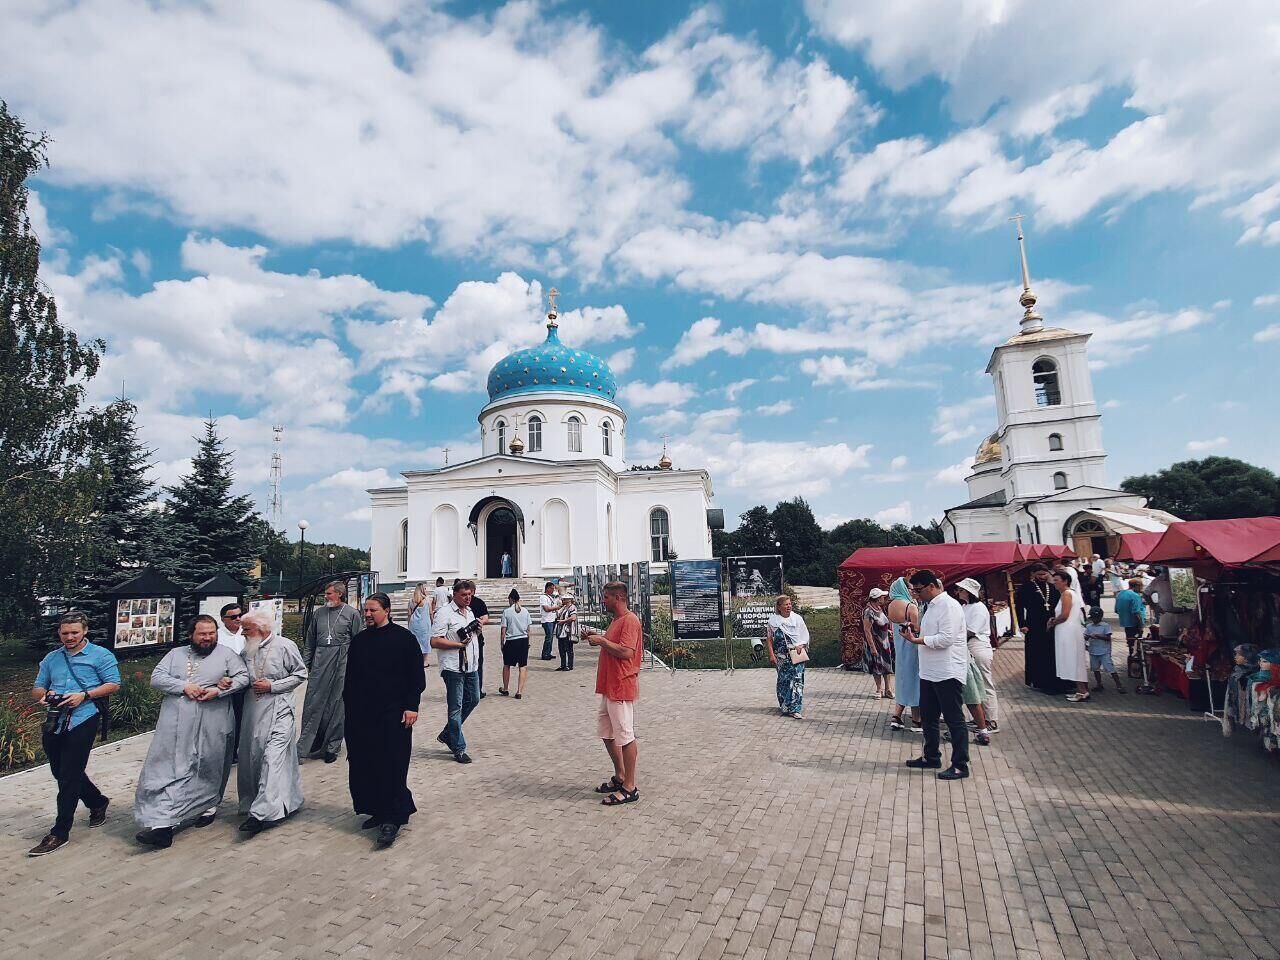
(877,654)
(906,660)
(1068,636)
(785,632)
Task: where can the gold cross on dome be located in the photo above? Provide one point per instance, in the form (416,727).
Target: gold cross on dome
(552,294)
(446,456)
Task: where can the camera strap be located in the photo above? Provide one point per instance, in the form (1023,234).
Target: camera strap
(83,689)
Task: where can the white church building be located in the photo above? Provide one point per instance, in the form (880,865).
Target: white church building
(1041,476)
(552,486)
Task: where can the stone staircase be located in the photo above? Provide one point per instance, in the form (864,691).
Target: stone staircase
(492,591)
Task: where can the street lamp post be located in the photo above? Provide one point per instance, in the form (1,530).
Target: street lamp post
(302,545)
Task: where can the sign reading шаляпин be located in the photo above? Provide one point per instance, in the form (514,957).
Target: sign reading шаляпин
(754,585)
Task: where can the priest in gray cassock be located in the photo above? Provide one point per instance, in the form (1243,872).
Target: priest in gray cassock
(267,779)
(189,761)
(328,635)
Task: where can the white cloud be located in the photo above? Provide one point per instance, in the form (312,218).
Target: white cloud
(899,513)
(775,409)
(1268,334)
(1204,446)
(357,480)
(958,421)
(949,476)
(898,463)
(664,393)
(732,391)
(1112,405)
(622,361)
(829,521)
(1205,131)
(1267,300)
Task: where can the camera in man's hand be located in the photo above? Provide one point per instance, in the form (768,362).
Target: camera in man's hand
(57,717)
(471,631)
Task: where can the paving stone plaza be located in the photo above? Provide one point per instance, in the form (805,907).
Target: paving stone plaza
(1121,828)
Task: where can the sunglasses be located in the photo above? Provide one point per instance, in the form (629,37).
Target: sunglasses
(233,616)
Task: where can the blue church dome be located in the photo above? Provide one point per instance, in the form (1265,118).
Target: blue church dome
(551,367)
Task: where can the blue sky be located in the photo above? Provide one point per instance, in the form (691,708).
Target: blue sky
(785,223)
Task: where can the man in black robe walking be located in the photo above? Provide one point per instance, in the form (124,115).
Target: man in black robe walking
(383,687)
(1036,599)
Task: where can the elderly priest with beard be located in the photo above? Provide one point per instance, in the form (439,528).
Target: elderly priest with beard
(189,761)
(267,778)
(385,681)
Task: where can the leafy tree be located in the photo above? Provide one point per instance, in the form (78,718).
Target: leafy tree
(1215,488)
(796,528)
(44,429)
(206,530)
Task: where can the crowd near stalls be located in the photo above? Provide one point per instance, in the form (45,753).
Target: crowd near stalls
(998,567)
(1218,645)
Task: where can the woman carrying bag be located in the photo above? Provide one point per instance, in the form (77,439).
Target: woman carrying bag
(787,640)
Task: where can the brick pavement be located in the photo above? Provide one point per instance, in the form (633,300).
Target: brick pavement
(1121,829)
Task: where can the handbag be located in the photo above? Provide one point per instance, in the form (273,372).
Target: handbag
(798,654)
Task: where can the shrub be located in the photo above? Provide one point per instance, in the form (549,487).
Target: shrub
(136,705)
(19,732)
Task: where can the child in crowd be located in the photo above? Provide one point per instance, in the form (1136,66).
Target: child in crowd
(1097,635)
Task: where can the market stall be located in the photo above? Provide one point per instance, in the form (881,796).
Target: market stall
(994,565)
(1236,601)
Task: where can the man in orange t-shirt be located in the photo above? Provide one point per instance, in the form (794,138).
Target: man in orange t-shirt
(618,689)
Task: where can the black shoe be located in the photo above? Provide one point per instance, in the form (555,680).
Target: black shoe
(920,763)
(440,739)
(387,834)
(519,695)
(161,837)
(954,773)
(204,819)
(547,658)
(50,843)
(371,823)
(98,815)
(330,758)
(252,826)
(483,694)
(561,669)
(504,691)
(462,757)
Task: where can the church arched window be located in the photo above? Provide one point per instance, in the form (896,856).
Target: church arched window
(1044,374)
(535,433)
(659,535)
(606,438)
(575,435)
(1059,481)
(1055,441)
(502,436)
(404,545)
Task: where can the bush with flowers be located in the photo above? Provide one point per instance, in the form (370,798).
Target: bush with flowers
(19,732)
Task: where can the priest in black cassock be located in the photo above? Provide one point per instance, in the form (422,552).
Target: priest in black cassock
(1036,599)
(383,685)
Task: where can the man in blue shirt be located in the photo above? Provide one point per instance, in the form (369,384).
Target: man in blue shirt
(74,677)
(1131,611)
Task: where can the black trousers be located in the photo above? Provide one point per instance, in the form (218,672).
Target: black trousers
(68,755)
(944,698)
(566,652)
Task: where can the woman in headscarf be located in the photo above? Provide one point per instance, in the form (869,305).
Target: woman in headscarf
(787,639)
(1068,636)
(907,659)
(420,619)
(877,654)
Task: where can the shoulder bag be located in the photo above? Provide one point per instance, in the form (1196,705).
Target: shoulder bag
(103,705)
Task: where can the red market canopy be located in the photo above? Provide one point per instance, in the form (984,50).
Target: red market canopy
(871,567)
(1230,543)
(1136,546)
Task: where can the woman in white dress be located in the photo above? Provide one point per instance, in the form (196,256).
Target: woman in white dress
(1068,636)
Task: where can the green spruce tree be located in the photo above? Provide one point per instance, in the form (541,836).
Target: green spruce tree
(204,528)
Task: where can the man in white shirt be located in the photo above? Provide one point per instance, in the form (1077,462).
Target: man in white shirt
(232,637)
(1098,566)
(944,662)
(549,603)
(439,597)
(459,663)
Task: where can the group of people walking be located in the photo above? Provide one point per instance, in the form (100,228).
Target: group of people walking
(230,690)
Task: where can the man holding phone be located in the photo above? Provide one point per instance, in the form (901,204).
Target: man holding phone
(944,664)
(617,690)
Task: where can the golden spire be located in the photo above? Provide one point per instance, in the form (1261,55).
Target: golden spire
(664,462)
(1031,322)
(552,312)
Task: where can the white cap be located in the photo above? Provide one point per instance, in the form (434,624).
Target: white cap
(876,593)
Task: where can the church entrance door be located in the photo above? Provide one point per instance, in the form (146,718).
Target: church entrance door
(499,538)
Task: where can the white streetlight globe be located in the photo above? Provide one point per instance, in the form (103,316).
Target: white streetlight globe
(302,524)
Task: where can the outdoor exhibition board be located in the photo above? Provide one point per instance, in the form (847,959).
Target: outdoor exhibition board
(697,603)
(145,611)
(755,583)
